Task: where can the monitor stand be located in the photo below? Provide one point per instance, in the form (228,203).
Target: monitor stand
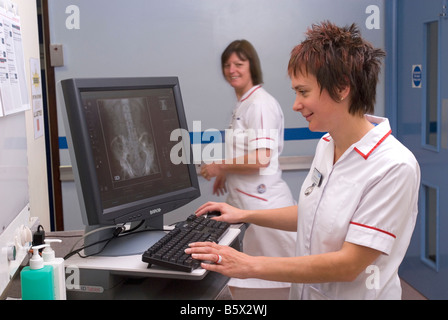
(97,243)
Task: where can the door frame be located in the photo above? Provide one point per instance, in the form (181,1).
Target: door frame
(391,71)
(51,122)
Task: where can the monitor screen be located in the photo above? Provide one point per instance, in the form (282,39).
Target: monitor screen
(120,145)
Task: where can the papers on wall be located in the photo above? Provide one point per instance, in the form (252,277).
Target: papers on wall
(36,98)
(13,85)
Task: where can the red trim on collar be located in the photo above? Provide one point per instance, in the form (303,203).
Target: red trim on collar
(326,138)
(366,156)
(250,93)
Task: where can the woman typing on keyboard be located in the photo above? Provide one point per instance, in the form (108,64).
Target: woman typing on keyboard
(357,207)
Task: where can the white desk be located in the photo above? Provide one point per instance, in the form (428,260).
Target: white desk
(128,277)
(133,264)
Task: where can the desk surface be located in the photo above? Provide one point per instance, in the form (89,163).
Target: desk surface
(134,266)
(211,286)
(128,277)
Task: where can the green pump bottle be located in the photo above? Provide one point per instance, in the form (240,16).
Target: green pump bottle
(37,282)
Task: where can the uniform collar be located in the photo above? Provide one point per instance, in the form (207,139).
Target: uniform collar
(249,93)
(372,139)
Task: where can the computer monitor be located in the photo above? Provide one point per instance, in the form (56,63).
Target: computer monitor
(119,135)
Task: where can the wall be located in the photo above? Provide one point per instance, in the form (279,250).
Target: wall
(185,39)
(23,178)
(37,165)
(22,157)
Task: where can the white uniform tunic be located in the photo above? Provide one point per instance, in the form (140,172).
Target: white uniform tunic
(258,123)
(369,198)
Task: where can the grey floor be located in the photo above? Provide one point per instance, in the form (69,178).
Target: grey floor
(409,293)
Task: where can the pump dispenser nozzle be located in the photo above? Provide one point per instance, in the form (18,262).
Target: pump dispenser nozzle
(36,261)
(48,253)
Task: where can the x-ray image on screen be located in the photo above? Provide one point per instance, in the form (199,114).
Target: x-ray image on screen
(119,135)
(127,129)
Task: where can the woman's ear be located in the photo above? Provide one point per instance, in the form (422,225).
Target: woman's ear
(344,93)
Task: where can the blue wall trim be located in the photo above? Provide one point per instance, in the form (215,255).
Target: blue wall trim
(297,134)
(291,134)
(63,143)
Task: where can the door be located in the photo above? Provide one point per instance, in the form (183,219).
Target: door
(422,125)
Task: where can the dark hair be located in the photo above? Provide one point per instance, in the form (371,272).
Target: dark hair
(245,51)
(339,57)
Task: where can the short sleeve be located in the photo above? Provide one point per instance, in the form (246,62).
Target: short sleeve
(385,208)
(266,121)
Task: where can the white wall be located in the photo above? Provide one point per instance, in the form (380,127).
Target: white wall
(37,165)
(23,177)
(185,39)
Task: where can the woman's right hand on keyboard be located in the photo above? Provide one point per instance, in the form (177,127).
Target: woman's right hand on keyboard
(228,213)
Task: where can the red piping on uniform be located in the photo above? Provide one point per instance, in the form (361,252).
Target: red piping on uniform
(373,228)
(263,138)
(250,195)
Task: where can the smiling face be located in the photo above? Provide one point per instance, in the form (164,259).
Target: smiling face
(318,108)
(237,73)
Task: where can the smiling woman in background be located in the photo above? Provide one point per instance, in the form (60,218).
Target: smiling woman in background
(252,176)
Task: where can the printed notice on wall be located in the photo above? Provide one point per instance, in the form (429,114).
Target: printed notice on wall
(13,87)
(36,98)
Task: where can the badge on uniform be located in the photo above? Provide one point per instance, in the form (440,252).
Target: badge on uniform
(317,181)
(261,188)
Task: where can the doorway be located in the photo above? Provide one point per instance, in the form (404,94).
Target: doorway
(421,119)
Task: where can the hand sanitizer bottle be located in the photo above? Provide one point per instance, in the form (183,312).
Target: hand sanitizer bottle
(36,279)
(58,269)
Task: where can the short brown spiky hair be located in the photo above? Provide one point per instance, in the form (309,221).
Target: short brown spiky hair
(340,57)
(245,51)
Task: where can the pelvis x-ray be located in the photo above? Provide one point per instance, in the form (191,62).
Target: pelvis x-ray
(129,138)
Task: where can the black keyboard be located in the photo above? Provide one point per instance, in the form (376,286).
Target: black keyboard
(169,251)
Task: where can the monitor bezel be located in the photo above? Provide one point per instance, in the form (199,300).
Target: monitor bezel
(83,164)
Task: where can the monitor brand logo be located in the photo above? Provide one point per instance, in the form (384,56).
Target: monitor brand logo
(153,211)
